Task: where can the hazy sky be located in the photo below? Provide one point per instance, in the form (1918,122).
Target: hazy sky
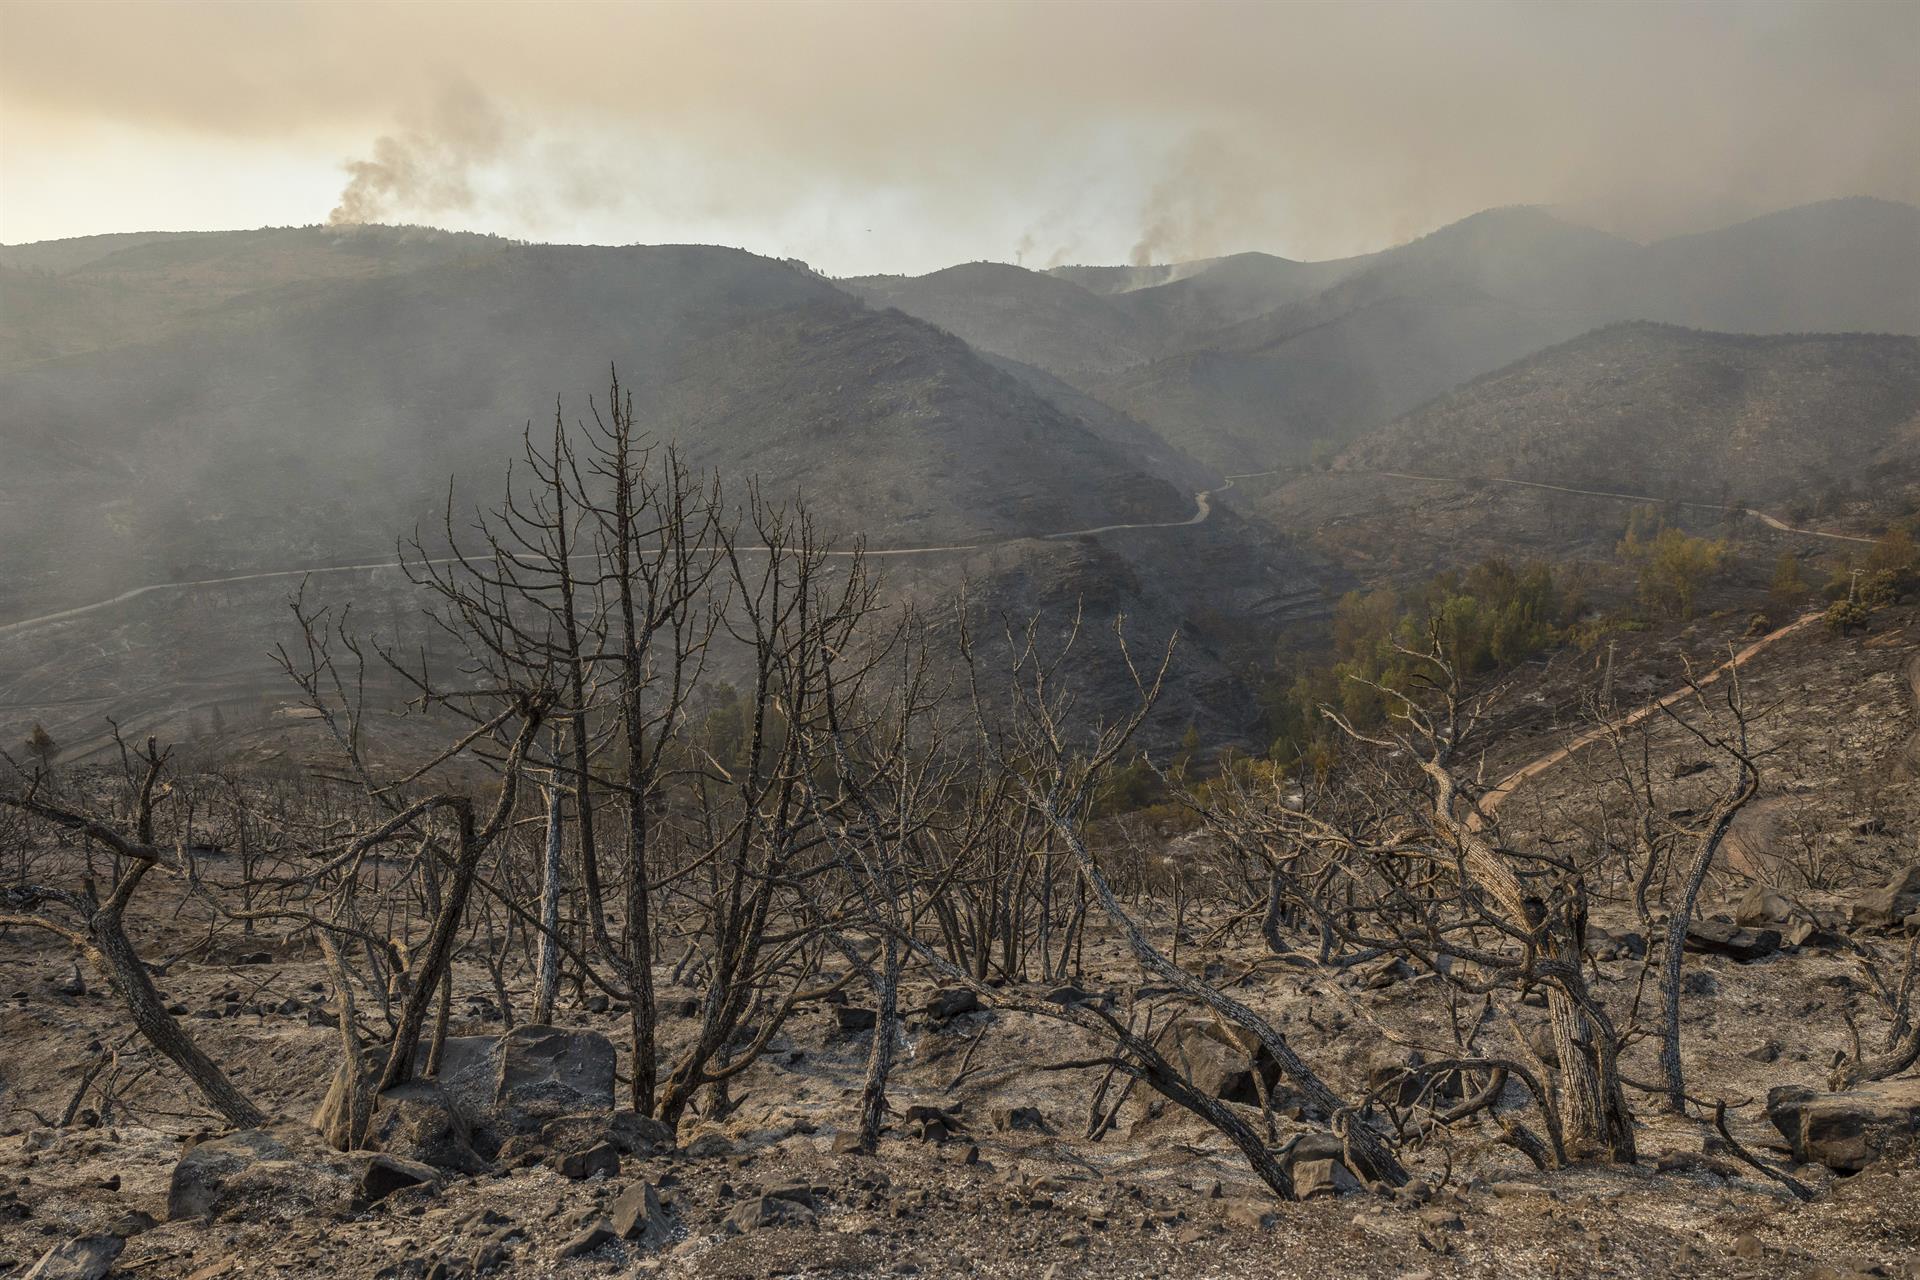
(889,136)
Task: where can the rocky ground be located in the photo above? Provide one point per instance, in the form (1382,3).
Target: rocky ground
(986,1168)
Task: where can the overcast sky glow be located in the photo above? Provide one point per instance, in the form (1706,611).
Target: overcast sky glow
(903,137)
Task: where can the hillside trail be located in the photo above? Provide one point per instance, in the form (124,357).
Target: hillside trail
(1492,800)
(1202,501)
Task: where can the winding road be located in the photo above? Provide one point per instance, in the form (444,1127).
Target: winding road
(1203,510)
(1770,521)
(1202,501)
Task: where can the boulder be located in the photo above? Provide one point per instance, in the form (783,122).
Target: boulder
(601,1158)
(517,1082)
(951,1002)
(81,1258)
(1010,1119)
(849,1019)
(1718,937)
(933,1124)
(1224,1062)
(638,1215)
(596,1236)
(1323,1177)
(417,1121)
(280,1173)
(1762,906)
(1886,906)
(382,1175)
(626,1132)
(1850,1130)
(767,1211)
(468,1071)
(551,1071)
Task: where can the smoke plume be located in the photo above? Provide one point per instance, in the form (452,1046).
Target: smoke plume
(428,168)
(868,137)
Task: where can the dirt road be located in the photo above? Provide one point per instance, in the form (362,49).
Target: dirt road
(1506,786)
(1772,522)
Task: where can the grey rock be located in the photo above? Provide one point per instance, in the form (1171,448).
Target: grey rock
(1718,937)
(1849,1130)
(952,1002)
(278,1171)
(638,1215)
(849,1019)
(81,1258)
(598,1235)
(517,1082)
(418,1121)
(600,1158)
(552,1071)
(768,1211)
(1882,908)
(1224,1062)
(384,1174)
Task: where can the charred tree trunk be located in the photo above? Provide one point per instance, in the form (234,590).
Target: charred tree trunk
(1596,1120)
(547,969)
(873,1093)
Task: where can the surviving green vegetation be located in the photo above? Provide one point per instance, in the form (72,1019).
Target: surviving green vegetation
(1673,565)
(1490,618)
(1497,615)
(1889,572)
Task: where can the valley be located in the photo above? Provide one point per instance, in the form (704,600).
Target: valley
(608,760)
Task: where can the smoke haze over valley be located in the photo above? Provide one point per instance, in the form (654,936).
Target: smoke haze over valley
(1009,638)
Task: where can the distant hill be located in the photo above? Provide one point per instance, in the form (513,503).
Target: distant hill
(1842,265)
(344,408)
(1637,408)
(1255,360)
(1023,315)
(63,297)
(1679,412)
